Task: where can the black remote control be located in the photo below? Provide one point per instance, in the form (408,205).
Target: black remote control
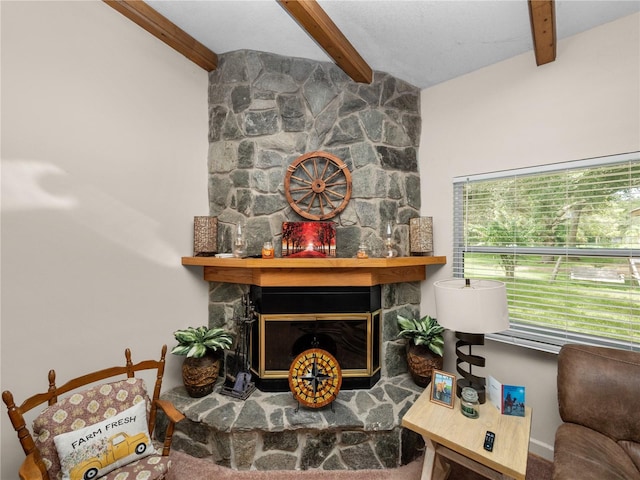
(489,438)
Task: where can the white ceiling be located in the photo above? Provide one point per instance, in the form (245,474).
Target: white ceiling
(423,42)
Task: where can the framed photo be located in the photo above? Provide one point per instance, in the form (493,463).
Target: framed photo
(443,386)
(308,239)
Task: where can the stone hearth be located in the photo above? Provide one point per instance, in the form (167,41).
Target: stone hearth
(265,432)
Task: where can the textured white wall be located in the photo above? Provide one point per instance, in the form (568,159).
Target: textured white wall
(514,114)
(104,165)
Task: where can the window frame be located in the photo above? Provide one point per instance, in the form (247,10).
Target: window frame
(531,336)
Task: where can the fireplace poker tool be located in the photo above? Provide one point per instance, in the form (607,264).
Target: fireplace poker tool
(240,385)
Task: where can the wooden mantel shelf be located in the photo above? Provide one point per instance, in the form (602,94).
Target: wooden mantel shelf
(303,272)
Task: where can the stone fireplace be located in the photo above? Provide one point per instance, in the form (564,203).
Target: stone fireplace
(266,111)
(269,430)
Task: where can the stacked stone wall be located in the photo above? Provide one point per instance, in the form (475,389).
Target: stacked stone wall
(265,111)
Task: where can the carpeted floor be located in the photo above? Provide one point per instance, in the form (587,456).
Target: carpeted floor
(186,467)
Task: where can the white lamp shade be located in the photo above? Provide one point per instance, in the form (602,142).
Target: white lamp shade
(480,307)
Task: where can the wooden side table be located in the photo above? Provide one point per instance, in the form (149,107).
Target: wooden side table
(448,433)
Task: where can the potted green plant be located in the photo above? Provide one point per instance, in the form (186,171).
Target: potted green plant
(202,348)
(425,346)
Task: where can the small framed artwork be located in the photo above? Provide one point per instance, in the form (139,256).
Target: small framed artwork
(308,239)
(443,385)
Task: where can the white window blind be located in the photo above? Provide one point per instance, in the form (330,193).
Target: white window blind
(565,238)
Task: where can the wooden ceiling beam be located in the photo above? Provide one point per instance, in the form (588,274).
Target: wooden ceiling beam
(162,28)
(310,15)
(543,29)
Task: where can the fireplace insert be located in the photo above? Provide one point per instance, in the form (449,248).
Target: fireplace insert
(345,321)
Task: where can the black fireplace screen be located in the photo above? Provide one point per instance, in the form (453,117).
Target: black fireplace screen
(345,321)
(345,338)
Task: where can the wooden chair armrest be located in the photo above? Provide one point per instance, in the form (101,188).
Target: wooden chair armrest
(170,411)
(29,469)
(174,417)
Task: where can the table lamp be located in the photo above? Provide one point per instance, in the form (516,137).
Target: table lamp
(471,308)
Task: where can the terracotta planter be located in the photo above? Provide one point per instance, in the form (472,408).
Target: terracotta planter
(199,375)
(422,362)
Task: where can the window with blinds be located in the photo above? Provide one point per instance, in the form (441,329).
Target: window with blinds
(565,238)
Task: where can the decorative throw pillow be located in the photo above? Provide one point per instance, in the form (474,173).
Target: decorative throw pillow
(95,450)
(82,408)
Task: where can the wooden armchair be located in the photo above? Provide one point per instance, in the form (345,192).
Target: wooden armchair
(103,427)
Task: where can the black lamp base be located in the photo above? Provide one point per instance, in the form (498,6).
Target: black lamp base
(468,379)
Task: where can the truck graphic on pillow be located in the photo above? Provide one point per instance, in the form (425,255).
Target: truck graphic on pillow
(119,446)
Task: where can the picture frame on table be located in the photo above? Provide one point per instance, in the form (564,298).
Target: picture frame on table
(443,387)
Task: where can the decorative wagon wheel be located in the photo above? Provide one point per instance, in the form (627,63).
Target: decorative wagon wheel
(318,185)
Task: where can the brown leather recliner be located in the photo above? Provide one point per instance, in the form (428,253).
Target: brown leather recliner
(599,400)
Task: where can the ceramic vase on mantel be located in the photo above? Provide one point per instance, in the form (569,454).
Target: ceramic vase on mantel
(422,361)
(199,375)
